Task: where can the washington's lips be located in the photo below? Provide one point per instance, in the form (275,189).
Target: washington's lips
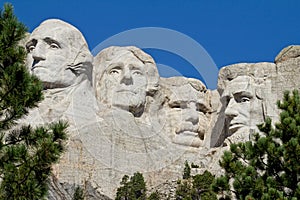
(36,66)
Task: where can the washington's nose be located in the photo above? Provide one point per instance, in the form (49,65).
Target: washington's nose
(126,78)
(38,53)
(231,110)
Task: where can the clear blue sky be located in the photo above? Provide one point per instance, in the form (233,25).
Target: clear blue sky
(230,31)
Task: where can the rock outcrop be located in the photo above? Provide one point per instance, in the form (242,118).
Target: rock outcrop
(125,118)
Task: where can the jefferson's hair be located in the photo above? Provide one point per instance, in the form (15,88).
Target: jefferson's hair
(105,57)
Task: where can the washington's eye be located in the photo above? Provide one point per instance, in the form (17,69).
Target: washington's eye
(30,48)
(54,46)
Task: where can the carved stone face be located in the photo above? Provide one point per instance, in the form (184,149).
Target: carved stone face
(243,107)
(125,82)
(49,55)
(186,115)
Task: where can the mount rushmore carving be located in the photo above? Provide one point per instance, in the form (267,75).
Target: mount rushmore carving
(125,118)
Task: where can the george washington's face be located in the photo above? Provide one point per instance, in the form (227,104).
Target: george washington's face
(49,56)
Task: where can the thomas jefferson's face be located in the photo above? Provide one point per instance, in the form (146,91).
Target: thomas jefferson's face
(49,56)
(241,101)
(125,81)
(186,116)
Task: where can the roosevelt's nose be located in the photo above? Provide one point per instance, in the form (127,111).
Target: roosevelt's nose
(231,110)
(190,114)
(126,77)
(38,53)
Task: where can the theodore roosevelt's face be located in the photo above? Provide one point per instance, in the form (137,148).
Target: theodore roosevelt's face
(49,55)
(187,115)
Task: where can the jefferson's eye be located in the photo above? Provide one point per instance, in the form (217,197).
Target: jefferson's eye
(114,71)
(137,72)
(54,46)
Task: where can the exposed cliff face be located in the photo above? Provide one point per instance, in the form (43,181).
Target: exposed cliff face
(133,120)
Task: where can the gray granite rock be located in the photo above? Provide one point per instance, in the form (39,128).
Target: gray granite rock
(124,118)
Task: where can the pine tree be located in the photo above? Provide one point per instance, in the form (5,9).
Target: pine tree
(268,167)
(154,196)
(185,190)
(133,189)
(196,187)
(202,185)
(78,194)
(186,171)
(26,154)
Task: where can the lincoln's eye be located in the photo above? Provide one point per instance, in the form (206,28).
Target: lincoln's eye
(244,99)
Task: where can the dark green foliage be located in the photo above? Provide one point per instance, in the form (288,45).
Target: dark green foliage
(196,187)
(133,189)
(154,196)
(18,89)
(26,154)
(185,190)
(26,158)
(186,171)
(202,185)
(194,166)
(268,167)
(78,194)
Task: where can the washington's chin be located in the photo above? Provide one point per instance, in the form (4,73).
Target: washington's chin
(44,75)
(53,85)
(40,71)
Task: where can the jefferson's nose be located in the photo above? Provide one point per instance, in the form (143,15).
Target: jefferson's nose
(126,78)
(231,110)
(38,53)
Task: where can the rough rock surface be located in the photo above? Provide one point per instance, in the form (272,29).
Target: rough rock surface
(125,118)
